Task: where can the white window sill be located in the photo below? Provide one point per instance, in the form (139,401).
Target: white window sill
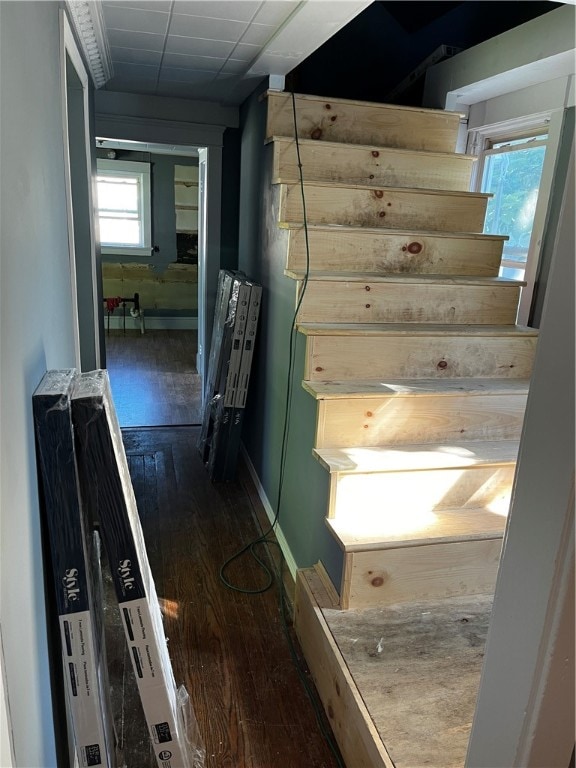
(107,250)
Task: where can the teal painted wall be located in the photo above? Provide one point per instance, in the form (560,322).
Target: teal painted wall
(261,255)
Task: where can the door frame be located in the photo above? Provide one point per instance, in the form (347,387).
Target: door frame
(69,49)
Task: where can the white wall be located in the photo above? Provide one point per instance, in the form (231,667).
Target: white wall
(35,334)
(526,701)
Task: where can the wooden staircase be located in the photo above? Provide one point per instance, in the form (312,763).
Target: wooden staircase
(418,369)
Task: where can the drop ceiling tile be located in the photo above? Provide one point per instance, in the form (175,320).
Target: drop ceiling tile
(275,11)
(173,74)
(136,20)
(145,5)
(258,34)
(232,66)
(232,10)
(207,29)
(244,52)
(136,71)
(202,63)
(194,46)
(121,39)
(135,56)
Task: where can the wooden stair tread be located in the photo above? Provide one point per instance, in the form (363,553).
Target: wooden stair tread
(402,190)
(362,533)
(360,103)
(417,457)
(412,329)
(358,230)
(369,388)
(459,156)
(379,277)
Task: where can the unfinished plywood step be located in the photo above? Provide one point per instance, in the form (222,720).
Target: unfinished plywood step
(376,413)
(359,249)
(361,122)
(371,165)
(373,298)
(408,480)
(358,739)
(356,205)
(424,572)
(410,671)
(339,351)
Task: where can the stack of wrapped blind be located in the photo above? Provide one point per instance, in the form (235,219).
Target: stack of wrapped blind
(75,567)
(86,479)
(105,484)
(231,353)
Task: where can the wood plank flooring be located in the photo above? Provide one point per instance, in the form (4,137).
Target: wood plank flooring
(153,377)
(228,648)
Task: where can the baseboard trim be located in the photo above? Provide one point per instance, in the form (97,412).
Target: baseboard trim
(152,323)
(284,546)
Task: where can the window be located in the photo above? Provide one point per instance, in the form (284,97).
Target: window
(124,207)
(511,172)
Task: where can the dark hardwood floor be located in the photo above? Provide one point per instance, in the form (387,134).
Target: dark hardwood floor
(153,377)
(228,648)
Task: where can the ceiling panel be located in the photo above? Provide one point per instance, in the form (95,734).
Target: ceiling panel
(135,56)
(275,11)
(205,63)
(144,5)
(244,52)
(258,34)
(139,71)
(203,49)
(207,29)
(136,20)
(233,10)
(234,66)
(121,39)
(188,46)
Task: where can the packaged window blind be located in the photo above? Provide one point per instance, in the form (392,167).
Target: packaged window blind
(106,486)
(75,567)
(233,339)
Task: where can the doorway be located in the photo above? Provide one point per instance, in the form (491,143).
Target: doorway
(148,215)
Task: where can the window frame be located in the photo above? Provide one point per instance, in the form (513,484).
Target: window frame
(480,140)
(142,172)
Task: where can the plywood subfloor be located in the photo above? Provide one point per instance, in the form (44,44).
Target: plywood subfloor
(417,668)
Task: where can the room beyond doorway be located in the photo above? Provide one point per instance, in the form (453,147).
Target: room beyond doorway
(153,377)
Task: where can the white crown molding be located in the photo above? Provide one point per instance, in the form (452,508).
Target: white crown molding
(89,26)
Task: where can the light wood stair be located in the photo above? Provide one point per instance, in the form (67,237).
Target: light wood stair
(419,372)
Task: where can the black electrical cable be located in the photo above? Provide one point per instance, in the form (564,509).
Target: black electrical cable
(263,539)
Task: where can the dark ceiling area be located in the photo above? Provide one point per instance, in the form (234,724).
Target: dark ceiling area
(388,41)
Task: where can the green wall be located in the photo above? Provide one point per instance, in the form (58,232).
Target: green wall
(261,248)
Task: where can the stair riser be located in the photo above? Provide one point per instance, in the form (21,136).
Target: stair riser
(361,123)
(371,166)
(378,494)
(383,208)
(419,573)
(335,358)
(389,252)
(395,420)
(354,302)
